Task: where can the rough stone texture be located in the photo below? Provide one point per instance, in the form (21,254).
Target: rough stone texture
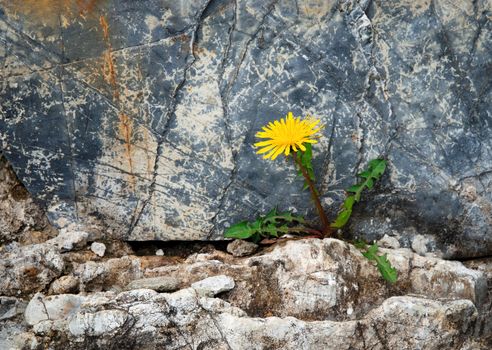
(141,115)
(300,294)
(20,217)
(144,319)
(238,248)
(159,284)
(212,286)
(65,284)
(98,248)
(10,307)
(31,268)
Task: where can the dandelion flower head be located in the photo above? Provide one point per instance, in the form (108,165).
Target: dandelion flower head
(287,135)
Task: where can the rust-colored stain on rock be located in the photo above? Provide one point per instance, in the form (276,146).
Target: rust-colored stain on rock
(108,69)
(126,126)
(51,12)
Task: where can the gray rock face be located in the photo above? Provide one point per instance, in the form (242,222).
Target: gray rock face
(141,115)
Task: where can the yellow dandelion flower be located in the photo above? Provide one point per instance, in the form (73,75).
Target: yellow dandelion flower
(287,135)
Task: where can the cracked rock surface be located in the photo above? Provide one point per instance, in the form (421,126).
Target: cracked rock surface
(297,294)
(138,117)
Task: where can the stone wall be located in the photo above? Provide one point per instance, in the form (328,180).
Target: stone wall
(139,116)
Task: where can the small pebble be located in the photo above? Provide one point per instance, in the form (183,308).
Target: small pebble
(212,286)
(98,248)
(159,252)
(240,248)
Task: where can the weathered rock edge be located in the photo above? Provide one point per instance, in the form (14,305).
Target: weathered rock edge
(300,294)
(145,319)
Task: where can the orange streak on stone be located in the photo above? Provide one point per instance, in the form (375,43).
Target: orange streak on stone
(126,128)
(105,28)
(48,12)
(86,6)
(109,74)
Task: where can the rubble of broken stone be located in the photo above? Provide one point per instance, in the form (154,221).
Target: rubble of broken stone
(297,294)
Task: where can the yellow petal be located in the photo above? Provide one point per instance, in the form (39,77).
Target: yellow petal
(263,143)
(287,150)
(265,149)
(268,155)
(278,151)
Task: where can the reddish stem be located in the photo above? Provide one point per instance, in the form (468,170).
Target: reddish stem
(326,230)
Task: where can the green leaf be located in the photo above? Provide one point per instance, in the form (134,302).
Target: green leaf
(357,195)
(377,168)
(342,218)
(311,173)
(349,202)
(307,155)
(273,224)
(354,188)
(371,252)
(360,245)
(289,217)
(241,230)
(270,230)
(271,216)
(373,172)
(256,225)
(388,272)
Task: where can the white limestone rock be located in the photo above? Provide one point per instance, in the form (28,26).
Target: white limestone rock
(212,286)
(98,248)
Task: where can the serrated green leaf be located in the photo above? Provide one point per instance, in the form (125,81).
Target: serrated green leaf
(271,213)
(270,230)
(256,225)
(307,155)
(357,195)
(369,183)
(377,168)
(342,218)
(271,216)
(289,217)
(360,245)
(283,229)
(373,250)
(387,271)
(365,174)
(241,230)
(305,158)
(353,188)
(349,202)
(273,224)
